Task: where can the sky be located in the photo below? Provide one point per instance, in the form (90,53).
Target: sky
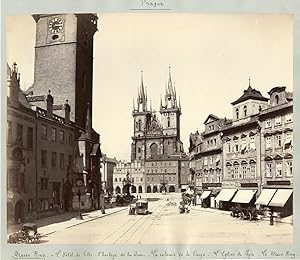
(211,58)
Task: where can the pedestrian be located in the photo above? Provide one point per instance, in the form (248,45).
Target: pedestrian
(111,202)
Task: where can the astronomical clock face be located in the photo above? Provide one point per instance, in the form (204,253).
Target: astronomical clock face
(56,25)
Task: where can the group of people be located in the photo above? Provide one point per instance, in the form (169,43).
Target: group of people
(185,204)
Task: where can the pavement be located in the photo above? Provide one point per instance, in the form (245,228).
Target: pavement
(66,220)
(286,220)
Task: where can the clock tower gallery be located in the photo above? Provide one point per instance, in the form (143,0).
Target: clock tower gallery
(64,61)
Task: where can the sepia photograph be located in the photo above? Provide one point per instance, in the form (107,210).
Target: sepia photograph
(141,128)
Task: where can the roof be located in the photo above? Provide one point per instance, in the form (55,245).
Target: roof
(276,89)
(211,116)
(167,157)
(250,93)
(36,98)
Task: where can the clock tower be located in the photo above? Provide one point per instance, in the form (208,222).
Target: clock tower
(64,61)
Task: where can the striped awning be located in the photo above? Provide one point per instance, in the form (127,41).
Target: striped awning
(205,194)
(243,196)
(281,197)
(226,194)
(265,197)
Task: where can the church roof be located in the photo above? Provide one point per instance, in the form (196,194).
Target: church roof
(250,93)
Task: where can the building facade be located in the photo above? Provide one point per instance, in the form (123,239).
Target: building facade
(277,143)
(256,152)
(108,165)
(129,177)
(166,173)
(64,64)
(21,153)
(207,160)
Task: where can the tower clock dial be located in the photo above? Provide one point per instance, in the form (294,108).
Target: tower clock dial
(56,25)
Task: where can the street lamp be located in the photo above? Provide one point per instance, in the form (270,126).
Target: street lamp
(79,190)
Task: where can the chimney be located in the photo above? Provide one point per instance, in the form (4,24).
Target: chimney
(49,105)
(67,112)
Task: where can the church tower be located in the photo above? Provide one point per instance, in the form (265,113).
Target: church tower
(64,61)
(170,111)
(141,117)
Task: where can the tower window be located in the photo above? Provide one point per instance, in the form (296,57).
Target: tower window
(237,113)
(245,111)
(140,125)
(55,37)
(168,121)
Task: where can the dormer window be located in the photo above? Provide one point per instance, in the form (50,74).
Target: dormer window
(237,113)
(245,111)
(277,99)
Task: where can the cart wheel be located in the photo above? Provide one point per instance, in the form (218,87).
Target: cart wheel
(250,216)
(242,215)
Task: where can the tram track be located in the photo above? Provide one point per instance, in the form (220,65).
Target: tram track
(116,237)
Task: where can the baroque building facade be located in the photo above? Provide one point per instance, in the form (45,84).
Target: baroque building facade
(256,151)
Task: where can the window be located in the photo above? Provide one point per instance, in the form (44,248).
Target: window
(237,113)
(120,179)
(54,159)
(152,178)
(70,160)
(29,137)
(278,141)
(252,142)
(244,172)
(277,120)
(288,140)
(30,205)
(169,124)
(289,168)
(268,142)
(207,143)
(44,159)
(148,178)
(62,161)
(289,118)
(278,169)
(44,131)
(228,147)
(211,160)
(140,125)
(243,146)
(116,179)
(9,132)
(232,173)
(268,170)
(268,123)
(245,111)
(277,99)
(236,172)
(70,138)
(141,179)
(139,149)
(61,136)
(253,171)
(53,134)
(44,184)
(205,160)
(19,139)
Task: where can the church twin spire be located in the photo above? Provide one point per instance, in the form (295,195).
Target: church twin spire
(170,98)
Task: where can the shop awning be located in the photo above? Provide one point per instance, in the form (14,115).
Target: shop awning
(226,194)
(265,197)
(205,194)
(281,197)
(243,196)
